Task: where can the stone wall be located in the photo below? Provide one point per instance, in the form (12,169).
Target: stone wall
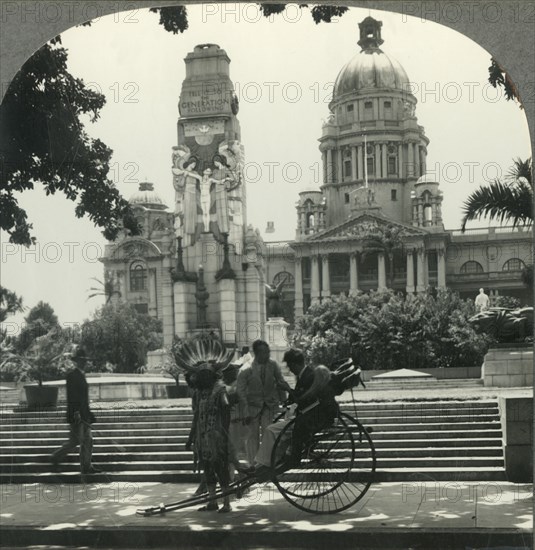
(517,424)
(508,367)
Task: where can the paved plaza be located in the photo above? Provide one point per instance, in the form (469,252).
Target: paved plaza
(391,515)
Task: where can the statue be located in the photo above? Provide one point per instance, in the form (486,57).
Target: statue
(186,181)
(482,301)
(274,299)
(505,325)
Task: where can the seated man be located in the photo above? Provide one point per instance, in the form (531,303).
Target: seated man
(316,408)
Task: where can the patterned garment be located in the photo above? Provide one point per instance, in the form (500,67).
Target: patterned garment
(211,438)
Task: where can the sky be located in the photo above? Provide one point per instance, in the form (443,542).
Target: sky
(283,69)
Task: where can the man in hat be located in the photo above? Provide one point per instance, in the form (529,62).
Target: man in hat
(79,416)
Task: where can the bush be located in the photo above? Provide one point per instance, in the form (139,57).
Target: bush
(384,330)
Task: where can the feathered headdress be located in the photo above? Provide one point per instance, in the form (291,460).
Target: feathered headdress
(202,350)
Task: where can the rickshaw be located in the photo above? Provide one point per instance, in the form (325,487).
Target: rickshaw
(336,469)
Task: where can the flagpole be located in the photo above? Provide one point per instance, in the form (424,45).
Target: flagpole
(365,162)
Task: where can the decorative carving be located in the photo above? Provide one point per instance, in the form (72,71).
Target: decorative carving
(201,296)
(226,271)
(274,299)
(505,325)
(179,273)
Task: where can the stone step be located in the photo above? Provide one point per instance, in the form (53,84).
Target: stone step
(345,406)
(174,424)
(142,428)
(449,435)
(101,455)
(444,445)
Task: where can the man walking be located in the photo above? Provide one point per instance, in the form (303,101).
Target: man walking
(79,416)
(260,388)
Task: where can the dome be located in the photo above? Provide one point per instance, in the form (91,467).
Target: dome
(146,196)
(371,67)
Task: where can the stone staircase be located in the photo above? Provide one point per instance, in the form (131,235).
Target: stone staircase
(415,440)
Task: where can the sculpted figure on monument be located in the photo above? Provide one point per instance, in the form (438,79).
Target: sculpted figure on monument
(274,299)
(186,181)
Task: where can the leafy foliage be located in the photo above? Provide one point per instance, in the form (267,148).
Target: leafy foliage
(173,19)
(509,302)
(384,240)
(384,330)
(10,303)
(108,288)
(40,320)
(121,336)
(499,78)
(45,359)
(504,201)
(43,142)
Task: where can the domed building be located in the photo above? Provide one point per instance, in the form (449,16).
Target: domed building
(375,183)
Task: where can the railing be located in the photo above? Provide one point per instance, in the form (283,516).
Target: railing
(491,230)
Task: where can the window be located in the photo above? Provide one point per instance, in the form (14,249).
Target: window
(138,277)
(514,264)
(143,309)
(368,110)
(392,166)
(428,213)
(347,168)
(471,267)
(346,198)
(394,195)
(350,108)
(370,166)
(388,109)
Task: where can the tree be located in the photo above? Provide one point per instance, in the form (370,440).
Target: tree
(384,330)
(121,336)
(499,78)
(46,358)
(10,303)
(384,240)
(40,320)
(108,288)
(510,200)
(43,142)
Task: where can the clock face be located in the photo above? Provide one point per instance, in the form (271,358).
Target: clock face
(234,103)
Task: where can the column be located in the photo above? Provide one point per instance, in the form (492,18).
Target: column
(441,276)
(329,165)
(410,273)
(324,167)
(353,274)
(123,289)
(385,166)
(153,304)
(410,160)
(400,160)
(423,161)
(353,163)
(420,270)
(167,307)
(340,166)
(298,288)
(227,309)
(377,171)
(360,163)
(381,271)
(417,160)
(314,280)
(326,279)
(181,292)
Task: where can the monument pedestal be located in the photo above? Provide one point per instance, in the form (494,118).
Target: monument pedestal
(508,366)
(276,335)
(156,360)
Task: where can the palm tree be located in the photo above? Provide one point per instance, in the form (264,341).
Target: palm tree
(510,200)
(384,240)
(108,288)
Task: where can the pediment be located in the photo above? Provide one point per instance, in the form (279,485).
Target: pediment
(360,226)
(135,247)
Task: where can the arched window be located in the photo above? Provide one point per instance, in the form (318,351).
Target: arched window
(310,221)
(471,267)
(138,277)
(514,264)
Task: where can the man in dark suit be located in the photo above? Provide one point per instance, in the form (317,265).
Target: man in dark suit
(79,416)
(315,408)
